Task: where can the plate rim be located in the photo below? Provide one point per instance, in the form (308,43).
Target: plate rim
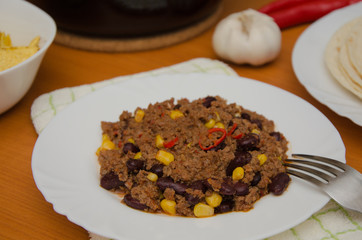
(300,42)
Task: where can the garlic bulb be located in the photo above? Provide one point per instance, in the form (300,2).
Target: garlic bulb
(247,37)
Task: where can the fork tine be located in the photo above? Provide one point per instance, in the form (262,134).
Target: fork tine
(315,172)
(304,176)
(322,159)
(327,168)
(345,187)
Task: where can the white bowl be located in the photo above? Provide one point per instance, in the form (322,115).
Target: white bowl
(23,22)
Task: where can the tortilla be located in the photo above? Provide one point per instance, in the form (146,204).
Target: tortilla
(343,56)
(355,49)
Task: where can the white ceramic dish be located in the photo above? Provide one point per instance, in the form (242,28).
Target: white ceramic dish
(65,166)
(23,22)
(310,69)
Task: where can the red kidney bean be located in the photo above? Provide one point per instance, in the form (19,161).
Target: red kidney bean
(227,189)
(207,101)
(134,165)
(258,123)
(207,185)
(225,206)
(221,146)
(110,181)
(130,147)
(199,185)
(279,183)
(241,158)
(241,188)
(256,179)
(166,182)
(177,106)
(157,169)
(245,116)
(192,200)
(249,141)
(133,203)
(276,135)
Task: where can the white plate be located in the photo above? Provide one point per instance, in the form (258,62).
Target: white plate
(310,69)
(65,167)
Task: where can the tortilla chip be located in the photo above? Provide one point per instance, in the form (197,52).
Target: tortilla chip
(11,56)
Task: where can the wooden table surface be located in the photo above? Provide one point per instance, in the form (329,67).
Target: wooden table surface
(24,213)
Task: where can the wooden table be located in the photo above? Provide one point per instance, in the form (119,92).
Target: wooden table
(24,213)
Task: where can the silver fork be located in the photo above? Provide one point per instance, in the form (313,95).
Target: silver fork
(340,181)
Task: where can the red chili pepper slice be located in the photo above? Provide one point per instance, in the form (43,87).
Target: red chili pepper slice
(171,143)
(238,136)
(232,130)
(216,142)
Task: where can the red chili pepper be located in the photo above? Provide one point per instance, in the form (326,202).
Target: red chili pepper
(307,11)
(216,142)
(171,143)
(232,130)
(119,144)
(281,4)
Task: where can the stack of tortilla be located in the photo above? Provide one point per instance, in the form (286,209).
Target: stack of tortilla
(343,56)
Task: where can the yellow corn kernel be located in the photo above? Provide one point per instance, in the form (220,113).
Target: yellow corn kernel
(138,155)
(211,123)
(159,141)
(131,140)
(164,157)
(107,144)
(238,173)
(217,117)
(262,158)
(256,131)
(214,199)
(219,125)
(203,210)
(176,114)
(98,151)
(105,137)
(139,115)
(168,206)
(152,177)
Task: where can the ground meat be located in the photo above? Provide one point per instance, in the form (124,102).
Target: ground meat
(185,151)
